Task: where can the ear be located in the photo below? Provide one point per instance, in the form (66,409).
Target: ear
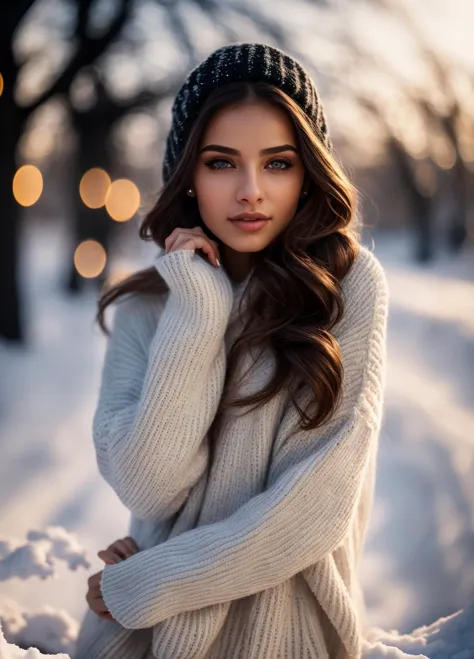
(305,188)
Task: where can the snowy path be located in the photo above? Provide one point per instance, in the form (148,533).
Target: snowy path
(419,560)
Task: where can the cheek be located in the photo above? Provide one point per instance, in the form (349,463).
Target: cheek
(213,198)
(286,193)
(211,186)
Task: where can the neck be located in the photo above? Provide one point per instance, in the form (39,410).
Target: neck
(237,264)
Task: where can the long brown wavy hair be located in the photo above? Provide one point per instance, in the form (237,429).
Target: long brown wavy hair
(295,284)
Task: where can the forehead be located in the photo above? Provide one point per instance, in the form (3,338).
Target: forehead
(255,122)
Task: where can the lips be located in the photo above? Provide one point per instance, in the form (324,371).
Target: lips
(249,217)
(249,225)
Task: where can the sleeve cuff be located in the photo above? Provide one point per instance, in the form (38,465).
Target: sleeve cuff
(192,279)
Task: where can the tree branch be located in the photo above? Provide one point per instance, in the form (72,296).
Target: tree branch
(12,17)
(87,52)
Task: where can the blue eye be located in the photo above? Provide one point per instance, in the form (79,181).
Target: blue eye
(282,161)
(212,164)
(220,163)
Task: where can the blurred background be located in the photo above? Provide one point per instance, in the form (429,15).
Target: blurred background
(86,89)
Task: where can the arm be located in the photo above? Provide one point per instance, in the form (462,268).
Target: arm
(155,409)
(304,514)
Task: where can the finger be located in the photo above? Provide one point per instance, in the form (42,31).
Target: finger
(132,544)
(198,242)
(180,231)
(105,556)
(177,231)
(178,235)
(94,594)
(94,579)
(109,557)
(122,547)
(96,601)
(212,252)
(100,609)
(116,549)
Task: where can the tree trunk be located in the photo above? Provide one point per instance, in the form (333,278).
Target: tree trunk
(420,203)
(11,326)
(11,123)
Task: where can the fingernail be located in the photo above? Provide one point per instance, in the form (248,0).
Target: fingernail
(218,262)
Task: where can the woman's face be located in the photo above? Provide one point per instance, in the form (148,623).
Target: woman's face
(248,162)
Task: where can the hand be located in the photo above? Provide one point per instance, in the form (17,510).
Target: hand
(194,238)
(94,597)
(119,550)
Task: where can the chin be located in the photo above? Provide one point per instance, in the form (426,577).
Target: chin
(248,244)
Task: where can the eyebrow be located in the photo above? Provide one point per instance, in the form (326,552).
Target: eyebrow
(235,152)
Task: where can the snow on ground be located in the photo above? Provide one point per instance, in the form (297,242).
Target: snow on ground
(47,395)
(419,559)
(39,554)
(418,565)
(451,637)
(13,651)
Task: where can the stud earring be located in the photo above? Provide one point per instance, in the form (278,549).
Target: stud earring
(190,192)
(304,193)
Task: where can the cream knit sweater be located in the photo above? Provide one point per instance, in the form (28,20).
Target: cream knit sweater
(257,559)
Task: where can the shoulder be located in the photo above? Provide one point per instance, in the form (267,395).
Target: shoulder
(362,331)
(365,277)
(136,307)
(365,295)
(135,317)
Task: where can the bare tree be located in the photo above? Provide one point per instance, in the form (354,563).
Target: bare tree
(450,119)
(447,119)
(88,51)
(13,119)
(432,187)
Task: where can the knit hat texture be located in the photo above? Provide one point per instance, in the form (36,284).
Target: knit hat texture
(245,61)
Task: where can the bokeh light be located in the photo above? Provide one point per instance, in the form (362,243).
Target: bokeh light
(94,187)
(90,258)
(1,84)
(123,200)
(444,154)
(27,185)
(118,275)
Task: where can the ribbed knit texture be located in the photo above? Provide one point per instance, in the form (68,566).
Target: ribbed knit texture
(257,559)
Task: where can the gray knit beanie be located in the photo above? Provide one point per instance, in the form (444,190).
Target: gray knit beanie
(246,61)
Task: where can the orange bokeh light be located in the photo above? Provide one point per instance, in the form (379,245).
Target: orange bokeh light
(27,185)
(123,200)
(94,187)
(117,276)
(90,258)
(1,84)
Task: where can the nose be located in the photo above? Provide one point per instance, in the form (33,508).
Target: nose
(249,189)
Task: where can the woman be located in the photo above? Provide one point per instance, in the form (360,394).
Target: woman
(241,394)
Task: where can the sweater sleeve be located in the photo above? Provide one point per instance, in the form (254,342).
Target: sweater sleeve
(155,409)
(306,510)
